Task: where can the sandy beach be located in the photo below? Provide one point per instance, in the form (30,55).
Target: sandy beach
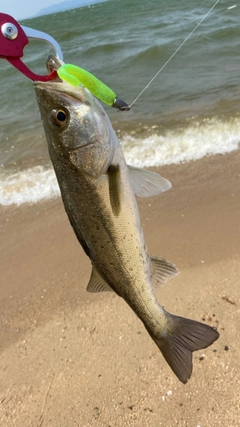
(69,358)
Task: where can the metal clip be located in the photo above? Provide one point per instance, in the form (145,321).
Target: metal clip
(13,39)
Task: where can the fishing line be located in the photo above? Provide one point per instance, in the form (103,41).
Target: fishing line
(177,50)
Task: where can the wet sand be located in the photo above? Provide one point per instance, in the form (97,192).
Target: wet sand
(70,358)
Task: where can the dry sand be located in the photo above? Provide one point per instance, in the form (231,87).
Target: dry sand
(69,358)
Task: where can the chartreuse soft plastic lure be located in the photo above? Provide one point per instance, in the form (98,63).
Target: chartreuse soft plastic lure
(76,76)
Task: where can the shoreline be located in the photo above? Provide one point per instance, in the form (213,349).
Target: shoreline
(69,358)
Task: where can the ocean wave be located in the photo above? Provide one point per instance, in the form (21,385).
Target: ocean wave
(197,140)
(28,186)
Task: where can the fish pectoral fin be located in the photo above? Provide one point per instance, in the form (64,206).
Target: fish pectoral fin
(114,188)
(161,271)
(146,183)
(181,338)
(97,283)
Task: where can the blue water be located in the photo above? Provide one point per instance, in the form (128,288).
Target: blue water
(190,110)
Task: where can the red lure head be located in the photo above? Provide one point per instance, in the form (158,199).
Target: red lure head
(12,42)
(12,37)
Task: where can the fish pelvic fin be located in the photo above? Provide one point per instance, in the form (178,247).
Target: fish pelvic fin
(178,343)
(97,283)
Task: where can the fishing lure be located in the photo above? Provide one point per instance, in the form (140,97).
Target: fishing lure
(76,76)
(13,39)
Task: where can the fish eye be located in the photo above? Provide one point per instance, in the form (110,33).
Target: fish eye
(60,117)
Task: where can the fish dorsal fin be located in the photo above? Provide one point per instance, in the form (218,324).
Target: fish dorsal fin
(97,283)
(146,183)
(161,271)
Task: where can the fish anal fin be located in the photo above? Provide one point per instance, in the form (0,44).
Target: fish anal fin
(146,183)
(179,341)
(161,271)
(97,283)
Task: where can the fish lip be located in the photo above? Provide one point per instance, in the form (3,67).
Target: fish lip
(45,85)
(79,93)
(50,83)
(59,87)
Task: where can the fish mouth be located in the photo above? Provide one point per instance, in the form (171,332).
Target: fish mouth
(65,89)
(52,84)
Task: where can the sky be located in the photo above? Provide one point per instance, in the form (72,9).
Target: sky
(20,9)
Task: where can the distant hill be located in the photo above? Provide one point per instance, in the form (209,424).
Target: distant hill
(66,5)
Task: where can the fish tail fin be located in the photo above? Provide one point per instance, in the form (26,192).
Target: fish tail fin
(181,338)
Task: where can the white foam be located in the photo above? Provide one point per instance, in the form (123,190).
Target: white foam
(194,142)
(28,186)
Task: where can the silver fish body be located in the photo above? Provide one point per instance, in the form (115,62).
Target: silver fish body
(98,190)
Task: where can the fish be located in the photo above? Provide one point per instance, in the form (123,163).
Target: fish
(99,190)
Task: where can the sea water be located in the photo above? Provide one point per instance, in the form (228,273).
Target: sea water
(189,111)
